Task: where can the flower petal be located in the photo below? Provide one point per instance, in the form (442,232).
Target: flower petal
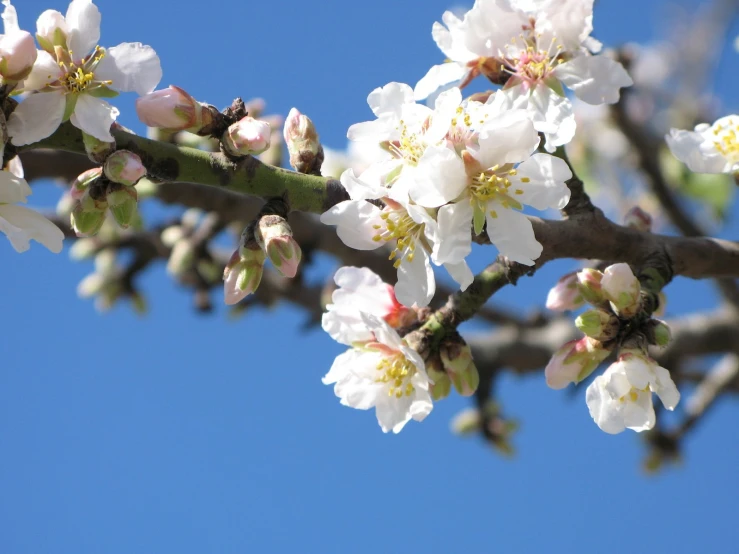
(83,20)
(512,234)
(94,116)
(44,72)
(455,237)
(13,189)
(439,178)
(354,220)
(461,273)
(416,284)
(359,189)
(594,79)
(507,138)
(26,224)
(542,179)
(437,77)
(131,66)
(37,117)
(388,100)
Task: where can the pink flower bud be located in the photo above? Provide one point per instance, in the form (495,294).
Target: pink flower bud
(589,285)
(574,361)
(124,167)
(170,108)
(565,295)
(84,180)
(275,237)
(243,274)
(17,56)
(622,288)
(302,141)
(247,136)
(638,219)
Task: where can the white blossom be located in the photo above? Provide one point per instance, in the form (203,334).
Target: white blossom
(361,290)
(385,374)
(710,148)
(541,46)
(21,224)
(621,398)
(72,76)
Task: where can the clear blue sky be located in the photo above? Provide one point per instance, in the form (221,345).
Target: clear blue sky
(186,434)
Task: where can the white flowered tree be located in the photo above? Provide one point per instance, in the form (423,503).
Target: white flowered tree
(438,171)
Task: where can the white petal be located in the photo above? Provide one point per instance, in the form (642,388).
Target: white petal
(341,368)
(594,79)
(461,273)
(354,220)
(13,189)
(382,331)
(392,413)
(439,178)
(546,186)
(389,99)
(508,138)
(569,21)
(512,234)
(689,147)
(345,326)
(45,71)
(601,407)
(94,116)
(10,18)
(437,77)
(359,189)
(379,130)
(131,66)
(416,283)
(455,236)
(666,389)
(29,224)
(37,117)
(639,415)
(83,19)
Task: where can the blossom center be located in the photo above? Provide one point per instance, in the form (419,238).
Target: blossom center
(399,226)
(396,370)
(80,78)
(410,147)
(495,184)
(726,141)
(533,64)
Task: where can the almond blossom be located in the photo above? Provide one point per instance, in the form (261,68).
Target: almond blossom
(72,76)
(360,290)
(710,148)
(485,174)
(382,373)
(21,224)
(621,398)
(535,48)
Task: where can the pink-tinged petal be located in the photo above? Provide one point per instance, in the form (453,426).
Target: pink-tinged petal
(541,179)
(455,244)
(439,178)
(512,234)
(389,99)
(594,79)
(13,189)
(83,21)
(37,117)
(354,220)
(508,138)
(416,284)
(44,72)
(23,224)
(439,76)
(94,116)
(131,66)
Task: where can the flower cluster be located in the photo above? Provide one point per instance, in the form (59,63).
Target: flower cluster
(534,49)
(463,165)
(621,397)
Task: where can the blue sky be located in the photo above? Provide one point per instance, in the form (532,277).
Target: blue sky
(180,433)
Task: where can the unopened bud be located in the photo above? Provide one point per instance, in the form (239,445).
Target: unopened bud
(638,219)
(181,257)
(17,56)
(171,235)
(83,181)
(91,285)
(243,273)
(124,167)
(598,324)
(574,361)
(302,141)
(97,150)
(622,288)
(173,109)
(467,422)
(456,357)
(589,283)
(122,203)
(442,384)
(275,236)
(658,332)
(84,248)
(247,136)
(88,214)
(565,295)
